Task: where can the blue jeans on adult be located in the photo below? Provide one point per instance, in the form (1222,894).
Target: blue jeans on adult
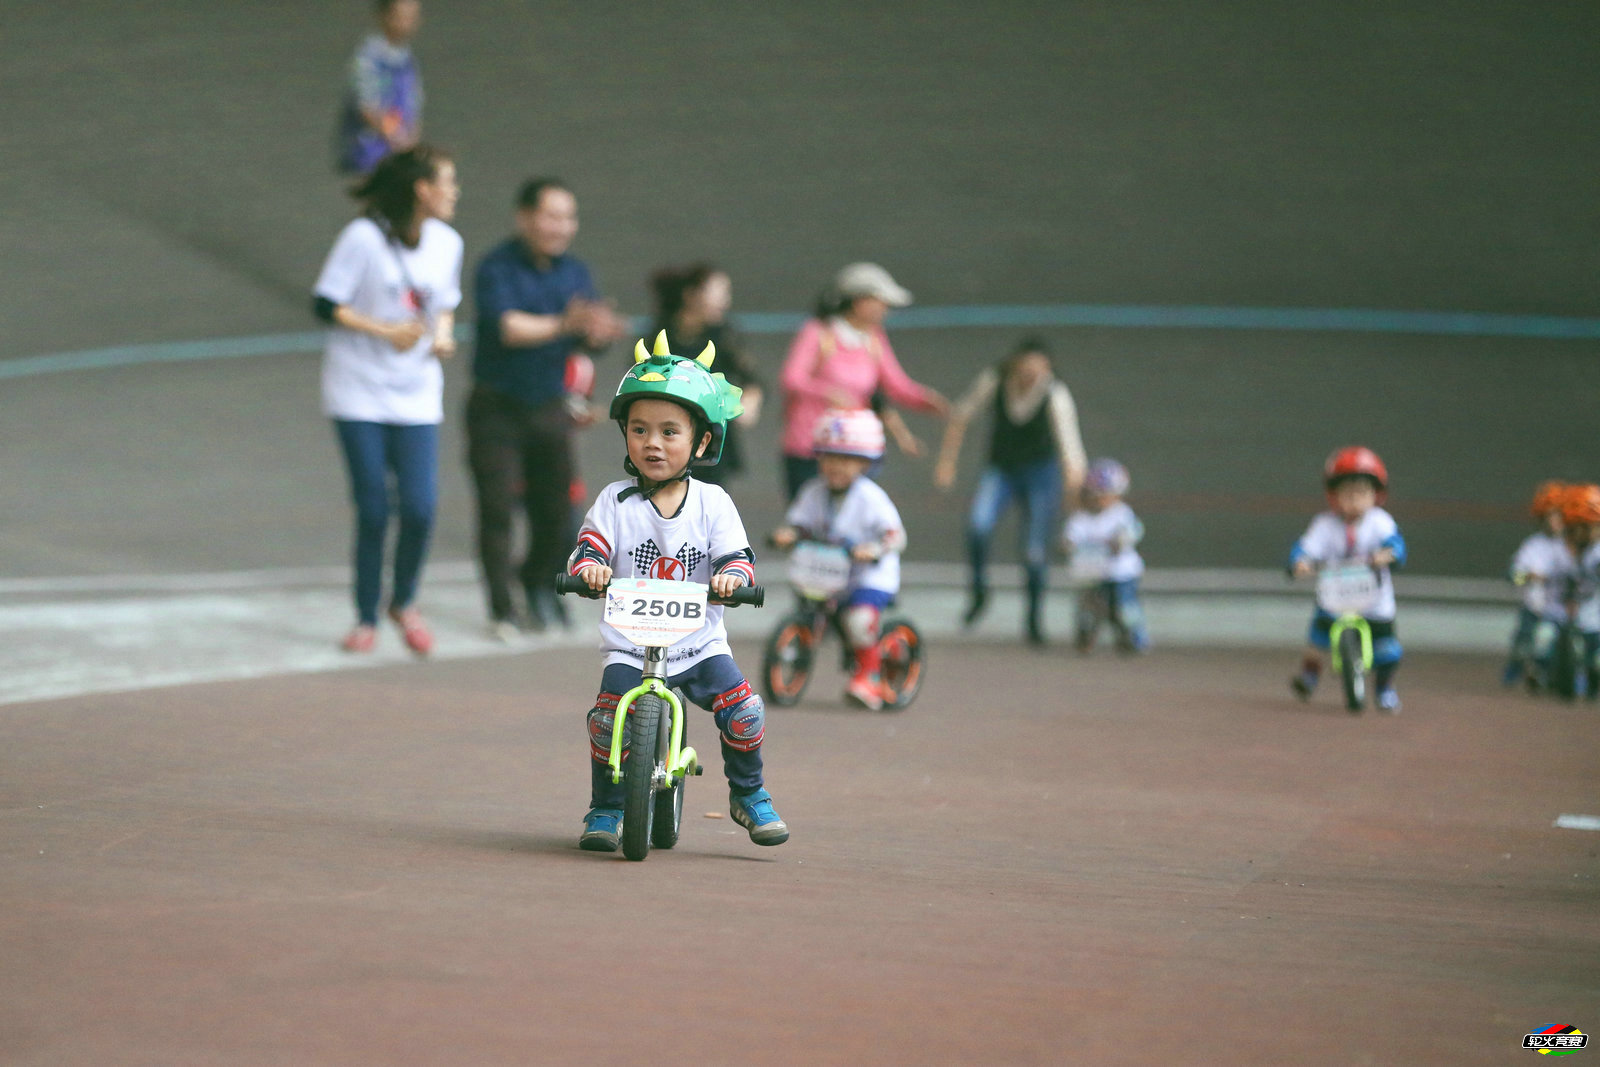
(1037,486)
(372,452)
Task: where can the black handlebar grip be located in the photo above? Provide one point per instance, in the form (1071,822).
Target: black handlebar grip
(753,595)
(572,583)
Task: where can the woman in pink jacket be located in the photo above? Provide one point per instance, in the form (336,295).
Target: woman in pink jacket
(842,359)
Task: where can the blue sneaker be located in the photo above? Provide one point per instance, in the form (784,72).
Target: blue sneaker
(1389,700)
(754,812)
(602,830)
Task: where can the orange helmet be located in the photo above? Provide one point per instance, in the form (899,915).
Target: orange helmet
(1547,498)
(1353,462)
(1580,504)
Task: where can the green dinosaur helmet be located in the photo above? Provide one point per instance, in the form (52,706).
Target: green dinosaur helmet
(688,382)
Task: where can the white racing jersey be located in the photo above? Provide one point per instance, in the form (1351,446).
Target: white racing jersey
(862,513)
(1587,590)
(1537,558)
(1329,540)
(1103,544)
(1561,583)
(705,537)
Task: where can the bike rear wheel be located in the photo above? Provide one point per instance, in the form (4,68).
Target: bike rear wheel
(1565,662)
(669,802)
(1352,670)
(900,662)
(786,665)
(638,776)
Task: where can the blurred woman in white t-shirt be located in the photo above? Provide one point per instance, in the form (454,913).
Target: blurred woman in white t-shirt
(389,290)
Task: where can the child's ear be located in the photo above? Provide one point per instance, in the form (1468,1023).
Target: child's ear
(705,443)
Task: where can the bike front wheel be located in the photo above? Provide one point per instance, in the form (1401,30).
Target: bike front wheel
(1352,670)
(786,665)
(639,774)
(900,663)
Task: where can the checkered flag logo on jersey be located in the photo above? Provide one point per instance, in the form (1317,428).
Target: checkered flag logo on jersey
(644,556)
(690,557)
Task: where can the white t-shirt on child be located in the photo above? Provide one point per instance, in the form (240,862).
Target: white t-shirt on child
(637,542)
(863,513)
(1536,560)
(1102,544)
(1329,539)
(364,379)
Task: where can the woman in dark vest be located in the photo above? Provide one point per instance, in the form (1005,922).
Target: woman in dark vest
(1034,444)
(692,305)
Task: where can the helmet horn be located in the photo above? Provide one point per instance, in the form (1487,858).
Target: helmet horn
(706,356)
(662,348)
(639,354)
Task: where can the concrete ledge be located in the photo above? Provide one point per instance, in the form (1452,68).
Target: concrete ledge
(64,637)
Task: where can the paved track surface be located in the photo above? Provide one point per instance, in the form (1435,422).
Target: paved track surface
(1161,862)
(168,179)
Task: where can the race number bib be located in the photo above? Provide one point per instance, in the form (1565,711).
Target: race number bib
(1349,589)
(818,570)
(654,612)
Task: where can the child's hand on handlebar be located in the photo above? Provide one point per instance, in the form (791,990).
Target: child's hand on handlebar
(597,575)
(785,537)
(866,552)
(1383,557)
(723,585)
(1304,568)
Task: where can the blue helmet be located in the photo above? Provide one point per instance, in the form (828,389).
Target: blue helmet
(1107,476)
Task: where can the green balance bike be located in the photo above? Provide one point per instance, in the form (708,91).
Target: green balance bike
(648,756)
(1348,590)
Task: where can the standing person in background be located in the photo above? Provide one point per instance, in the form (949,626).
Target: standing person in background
(840,359)
(692,307)
(1034,444)
(382,110)
(389,289)
(536,305)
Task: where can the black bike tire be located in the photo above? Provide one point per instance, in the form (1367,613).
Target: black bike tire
(916,668)
(772,660)
(638,799)
(1564,663)
(1352,671)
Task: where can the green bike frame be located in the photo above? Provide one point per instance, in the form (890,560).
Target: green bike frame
(1340,625)
(681,761)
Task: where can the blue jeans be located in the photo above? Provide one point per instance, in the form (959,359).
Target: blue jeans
(372,451)
(1117,603)
(1038,488)
(1521,646)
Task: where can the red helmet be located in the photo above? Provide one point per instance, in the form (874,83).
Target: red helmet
(1581,505)
(1352,462)
(1547,498)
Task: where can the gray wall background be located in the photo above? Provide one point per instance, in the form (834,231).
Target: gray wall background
(167,175)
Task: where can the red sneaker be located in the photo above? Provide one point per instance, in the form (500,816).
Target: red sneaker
(418,637)
(362,639)
(865,690)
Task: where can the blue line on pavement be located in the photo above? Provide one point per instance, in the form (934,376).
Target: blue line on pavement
(1019,316)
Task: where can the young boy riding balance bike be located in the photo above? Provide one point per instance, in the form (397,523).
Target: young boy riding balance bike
(662,523)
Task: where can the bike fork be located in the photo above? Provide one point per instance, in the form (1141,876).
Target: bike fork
(677,761)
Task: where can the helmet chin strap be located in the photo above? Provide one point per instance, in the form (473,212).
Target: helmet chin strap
(650,490)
